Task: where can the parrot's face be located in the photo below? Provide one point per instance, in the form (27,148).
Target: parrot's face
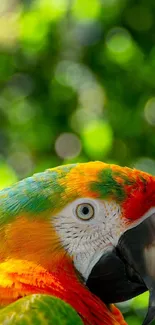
(108,229)
(87,227)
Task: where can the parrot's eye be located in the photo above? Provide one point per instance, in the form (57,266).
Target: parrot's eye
(85,211)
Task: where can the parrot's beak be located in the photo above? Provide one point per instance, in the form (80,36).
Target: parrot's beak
(128,269)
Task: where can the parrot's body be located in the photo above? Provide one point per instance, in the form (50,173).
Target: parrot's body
(54,228)
(19,278)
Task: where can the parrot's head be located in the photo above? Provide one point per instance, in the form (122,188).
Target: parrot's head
(108,229)
(99,217)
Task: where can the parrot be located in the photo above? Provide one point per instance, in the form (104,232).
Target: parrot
(74,240)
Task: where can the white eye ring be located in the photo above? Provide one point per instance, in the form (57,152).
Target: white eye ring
(85,211)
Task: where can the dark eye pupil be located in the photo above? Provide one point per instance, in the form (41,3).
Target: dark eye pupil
(85,210)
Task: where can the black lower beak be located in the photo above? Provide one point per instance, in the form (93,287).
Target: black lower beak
(129,269)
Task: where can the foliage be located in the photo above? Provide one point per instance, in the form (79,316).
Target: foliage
(77,84)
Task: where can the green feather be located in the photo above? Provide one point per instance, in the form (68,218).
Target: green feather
(38,309)
(33,195)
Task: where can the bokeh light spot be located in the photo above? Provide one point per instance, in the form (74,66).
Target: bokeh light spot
(97,139)
(51,9)
(7,175)
(9,30)
(33,31)
(86,10)
(149,111)
(73,74)
(67,145)
(21,161)
(80,118)
(119,45)
(92,98)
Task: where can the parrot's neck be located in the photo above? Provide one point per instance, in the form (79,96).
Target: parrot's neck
(19,278)
(31,239)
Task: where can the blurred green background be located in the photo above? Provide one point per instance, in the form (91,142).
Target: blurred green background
(77,83)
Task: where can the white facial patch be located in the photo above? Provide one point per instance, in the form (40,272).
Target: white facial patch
(86,240)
